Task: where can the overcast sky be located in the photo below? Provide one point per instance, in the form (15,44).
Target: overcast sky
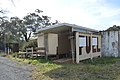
(96,14)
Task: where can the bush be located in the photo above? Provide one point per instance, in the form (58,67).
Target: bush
(31,43)
(14,54)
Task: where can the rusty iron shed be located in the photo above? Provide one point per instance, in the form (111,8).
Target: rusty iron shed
(110,43)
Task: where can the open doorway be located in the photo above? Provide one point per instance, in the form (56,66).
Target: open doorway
(64,46)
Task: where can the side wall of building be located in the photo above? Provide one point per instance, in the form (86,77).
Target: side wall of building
(40,41)
(49,41)
(52,43)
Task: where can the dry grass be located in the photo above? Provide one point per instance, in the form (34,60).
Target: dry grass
(97,69)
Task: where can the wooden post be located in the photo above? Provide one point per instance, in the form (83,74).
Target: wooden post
(46,45)
(72,46)
(32,51)
(77,47)
(25,53)
(100,40)
(91,56)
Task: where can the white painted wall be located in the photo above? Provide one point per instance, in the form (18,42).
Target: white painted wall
(40,40)
(52,43)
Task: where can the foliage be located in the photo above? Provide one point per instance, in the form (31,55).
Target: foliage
(17,27)
(31,43)
(14,54)
(2,17)
(3,22)
(114,28)
(17,30)
(30,24)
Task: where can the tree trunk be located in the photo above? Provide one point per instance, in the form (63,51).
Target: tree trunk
(26,36)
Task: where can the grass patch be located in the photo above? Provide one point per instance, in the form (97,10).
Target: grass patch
(104,60)
(96,69)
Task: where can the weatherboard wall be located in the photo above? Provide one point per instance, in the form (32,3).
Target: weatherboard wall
(49,41)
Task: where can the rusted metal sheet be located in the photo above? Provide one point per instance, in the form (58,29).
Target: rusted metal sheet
(110,43)
(118,43)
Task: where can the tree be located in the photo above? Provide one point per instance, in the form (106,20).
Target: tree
(17,28)
(114,28)
(27,26)
(20,28)
(34,21)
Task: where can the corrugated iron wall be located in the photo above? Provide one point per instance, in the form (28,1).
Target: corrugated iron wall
(110,41)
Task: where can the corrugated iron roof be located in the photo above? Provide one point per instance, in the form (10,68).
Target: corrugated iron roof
(62,26)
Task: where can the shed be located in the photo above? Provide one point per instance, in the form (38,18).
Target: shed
(70,41)
(110,43)
(12,47)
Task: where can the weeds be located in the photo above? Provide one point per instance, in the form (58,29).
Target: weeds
(97,69)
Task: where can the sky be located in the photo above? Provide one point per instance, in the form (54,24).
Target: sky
(95,14)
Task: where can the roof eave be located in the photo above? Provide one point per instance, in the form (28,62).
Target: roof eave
(67,24)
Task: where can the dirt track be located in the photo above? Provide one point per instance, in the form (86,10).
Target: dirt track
(11,70)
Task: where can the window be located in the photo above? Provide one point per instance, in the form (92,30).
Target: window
(82,41)
(94,41)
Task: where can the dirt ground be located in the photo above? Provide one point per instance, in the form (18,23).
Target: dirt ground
(11,70)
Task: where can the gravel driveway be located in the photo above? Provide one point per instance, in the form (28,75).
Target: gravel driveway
(11,70)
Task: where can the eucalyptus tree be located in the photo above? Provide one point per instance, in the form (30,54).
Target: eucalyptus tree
(3,23)
(35,21)
(17,28)
(22,29)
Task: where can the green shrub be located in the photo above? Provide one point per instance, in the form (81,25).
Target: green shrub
(31,43)
(14,54)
